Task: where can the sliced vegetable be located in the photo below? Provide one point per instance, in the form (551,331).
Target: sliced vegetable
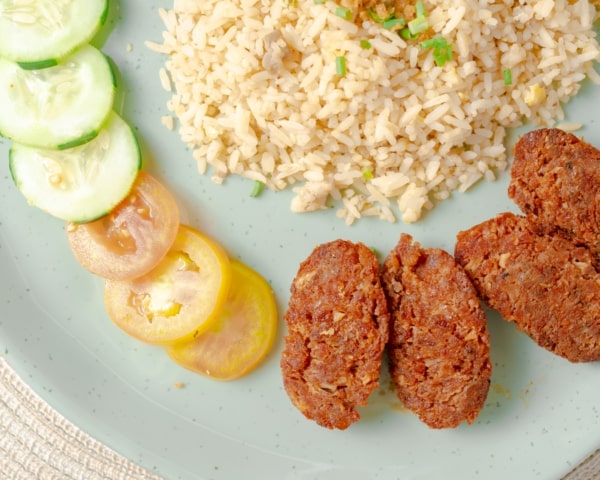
(507,75)
(344,13)
(442,50)
(82,183)
(60,106)
(257,188)
(132,239)
(179,298)
(42,30)
(393,23)
(39,64)
(418,25)
(242,335)
(340,66)
(376,17)
(407,35)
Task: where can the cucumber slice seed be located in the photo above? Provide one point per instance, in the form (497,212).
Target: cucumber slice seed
(41,30)
(83,183)
(56,106)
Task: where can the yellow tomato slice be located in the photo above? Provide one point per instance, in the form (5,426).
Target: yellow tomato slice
(180,297)
(242,335)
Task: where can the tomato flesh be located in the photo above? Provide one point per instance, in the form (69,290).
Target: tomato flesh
(241,336)
(177,299)
(130,240)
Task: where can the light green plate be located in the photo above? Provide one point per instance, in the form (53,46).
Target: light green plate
(542,415)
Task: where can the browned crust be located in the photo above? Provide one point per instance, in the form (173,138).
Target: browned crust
(337,323)
(439,343)
(545,284)
(555,181)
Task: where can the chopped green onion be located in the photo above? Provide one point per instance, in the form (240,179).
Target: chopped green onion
(418,25)
(420,9)
(257,188)
(406,35)
(376,18)
(442,50)
(344,13)
(425,44)
(441,56)
(392,22)
(367,173)
(340,66)
(507,74)
(319,2)
(435,42)
(365,44)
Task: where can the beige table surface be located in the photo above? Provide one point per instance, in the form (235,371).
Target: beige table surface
(38,443)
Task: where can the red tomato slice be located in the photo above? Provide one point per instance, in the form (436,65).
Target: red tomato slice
(130,240)
(242,335)
(180,297)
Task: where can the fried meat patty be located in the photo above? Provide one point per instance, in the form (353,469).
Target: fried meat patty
(439,343)
(337,323)
(545,284)
(555,181)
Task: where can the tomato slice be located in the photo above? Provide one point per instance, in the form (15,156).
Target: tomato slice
(242,335)
(180,297)
(130,240)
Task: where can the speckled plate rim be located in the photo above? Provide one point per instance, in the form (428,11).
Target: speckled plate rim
(55,334)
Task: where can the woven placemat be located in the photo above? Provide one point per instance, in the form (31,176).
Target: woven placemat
(36,443)
(589,469)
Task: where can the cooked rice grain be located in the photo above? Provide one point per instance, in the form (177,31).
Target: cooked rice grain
(256,94)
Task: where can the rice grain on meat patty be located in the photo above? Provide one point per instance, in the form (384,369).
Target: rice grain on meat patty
(256,94)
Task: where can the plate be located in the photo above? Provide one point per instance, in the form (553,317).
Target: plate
(541,417)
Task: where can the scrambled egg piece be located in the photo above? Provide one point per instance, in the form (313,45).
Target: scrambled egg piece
(535,95)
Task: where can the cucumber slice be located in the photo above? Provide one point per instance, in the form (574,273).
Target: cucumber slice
(38,65)
(35,30)
(82,183)
(56,106)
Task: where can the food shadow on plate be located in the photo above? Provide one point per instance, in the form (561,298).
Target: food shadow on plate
(509,389)
(112,17)
(510,352)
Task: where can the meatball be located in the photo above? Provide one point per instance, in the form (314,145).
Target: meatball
(543,283)
(337,324)
(554,181)
(439,347)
